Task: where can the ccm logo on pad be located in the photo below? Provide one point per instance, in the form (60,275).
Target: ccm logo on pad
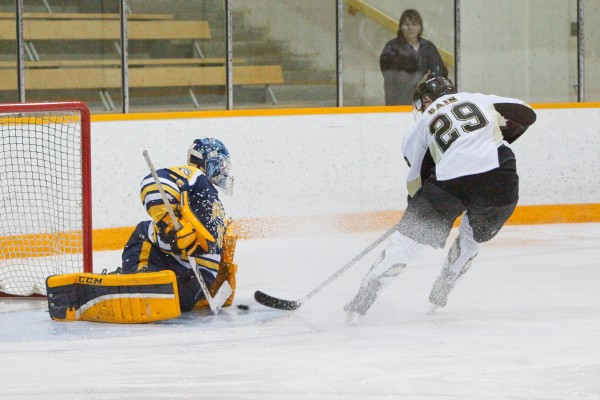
(90,280)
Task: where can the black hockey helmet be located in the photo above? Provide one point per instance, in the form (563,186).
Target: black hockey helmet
(433,87)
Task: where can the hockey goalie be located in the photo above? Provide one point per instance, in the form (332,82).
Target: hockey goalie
(179,260)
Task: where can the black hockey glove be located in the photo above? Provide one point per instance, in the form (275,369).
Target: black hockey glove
(512,131)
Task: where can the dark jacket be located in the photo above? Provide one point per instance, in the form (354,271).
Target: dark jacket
(402,68)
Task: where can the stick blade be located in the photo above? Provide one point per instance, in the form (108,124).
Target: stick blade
(274,302)
(216,303)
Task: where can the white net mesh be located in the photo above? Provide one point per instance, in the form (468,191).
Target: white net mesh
(41,220)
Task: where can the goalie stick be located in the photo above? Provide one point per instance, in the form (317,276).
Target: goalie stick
(281,304)
(214,303)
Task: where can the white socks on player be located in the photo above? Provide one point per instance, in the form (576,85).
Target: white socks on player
(459,259)
(468,249)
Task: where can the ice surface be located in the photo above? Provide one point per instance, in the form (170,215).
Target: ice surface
(523,324)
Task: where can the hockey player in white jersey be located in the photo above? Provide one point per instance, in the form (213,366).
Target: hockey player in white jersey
(460,164)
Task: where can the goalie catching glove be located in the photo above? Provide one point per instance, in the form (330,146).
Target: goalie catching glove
(181,241)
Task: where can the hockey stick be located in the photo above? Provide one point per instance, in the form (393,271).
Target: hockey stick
(214,303)
(281,304)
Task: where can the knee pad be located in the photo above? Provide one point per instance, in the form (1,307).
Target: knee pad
(399,251)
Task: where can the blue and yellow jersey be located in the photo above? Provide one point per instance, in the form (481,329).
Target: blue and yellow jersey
(203,200)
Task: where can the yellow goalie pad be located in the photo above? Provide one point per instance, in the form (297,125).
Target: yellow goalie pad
(124,299)
(227,268)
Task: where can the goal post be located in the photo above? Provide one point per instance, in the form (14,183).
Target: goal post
(45,194)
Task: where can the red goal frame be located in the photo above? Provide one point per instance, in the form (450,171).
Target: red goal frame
(86,171)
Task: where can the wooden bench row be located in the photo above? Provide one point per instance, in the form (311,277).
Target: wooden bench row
(161,76)
(79,16)
(105,74)
(110,78)
(144,62)
(105,29)
(103,79)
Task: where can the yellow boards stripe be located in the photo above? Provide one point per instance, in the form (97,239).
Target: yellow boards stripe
(40,244)
(37,245)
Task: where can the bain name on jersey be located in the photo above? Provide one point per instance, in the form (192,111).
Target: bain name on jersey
(441,104)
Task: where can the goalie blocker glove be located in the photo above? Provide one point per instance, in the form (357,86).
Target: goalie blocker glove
(181,241)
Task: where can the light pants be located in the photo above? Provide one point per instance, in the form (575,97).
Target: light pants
(399,251)
(463,249)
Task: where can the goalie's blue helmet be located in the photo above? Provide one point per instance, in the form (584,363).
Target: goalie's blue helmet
(430,88)
(212,157)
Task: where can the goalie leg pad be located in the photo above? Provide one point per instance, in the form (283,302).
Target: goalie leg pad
(227,273)
(130,298)
(227,268)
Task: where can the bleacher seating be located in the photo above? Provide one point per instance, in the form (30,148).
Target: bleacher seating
(102,74)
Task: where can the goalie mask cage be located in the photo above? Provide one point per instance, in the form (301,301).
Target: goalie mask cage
(45,194)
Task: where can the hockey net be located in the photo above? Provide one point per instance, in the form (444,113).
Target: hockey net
(45,194)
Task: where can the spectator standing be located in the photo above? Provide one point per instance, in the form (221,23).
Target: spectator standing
(407,58)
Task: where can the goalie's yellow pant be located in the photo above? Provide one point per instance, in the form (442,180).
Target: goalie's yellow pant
(132,298)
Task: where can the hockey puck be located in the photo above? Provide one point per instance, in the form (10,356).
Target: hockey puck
(243,307)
